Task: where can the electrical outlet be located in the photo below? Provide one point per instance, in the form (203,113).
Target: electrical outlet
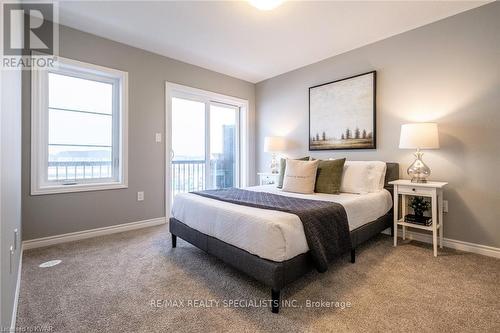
(140,196)
(158,137)
(445,206)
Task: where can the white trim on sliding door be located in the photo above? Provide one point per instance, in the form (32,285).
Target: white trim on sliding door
(168,146)
(243,130)
(208,167)
(244,145)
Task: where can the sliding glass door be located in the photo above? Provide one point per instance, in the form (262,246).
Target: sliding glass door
(223,146)
(205,144)
(188,146)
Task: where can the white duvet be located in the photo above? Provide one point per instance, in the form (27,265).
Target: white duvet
(269,234)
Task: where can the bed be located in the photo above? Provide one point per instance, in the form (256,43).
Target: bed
(270,245)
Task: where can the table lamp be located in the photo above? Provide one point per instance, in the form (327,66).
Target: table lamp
(419,136)
(273,145)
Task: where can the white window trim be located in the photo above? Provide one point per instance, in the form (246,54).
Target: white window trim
(39,127)
(181,91)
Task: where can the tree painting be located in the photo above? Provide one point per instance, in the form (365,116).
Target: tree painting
(356,133)
(342,114)
(348,134)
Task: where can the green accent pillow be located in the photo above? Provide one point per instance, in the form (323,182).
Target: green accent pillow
(283,167)
(329,176)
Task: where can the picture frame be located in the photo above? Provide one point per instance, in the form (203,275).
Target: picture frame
(342,113)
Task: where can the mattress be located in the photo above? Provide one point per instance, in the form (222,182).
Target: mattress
(270,234)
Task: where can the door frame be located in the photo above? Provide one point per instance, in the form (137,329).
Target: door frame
(178,90)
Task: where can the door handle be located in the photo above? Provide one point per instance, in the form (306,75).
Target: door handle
(15,239)
(11,259)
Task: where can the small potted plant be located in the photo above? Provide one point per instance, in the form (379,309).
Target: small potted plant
(419,206)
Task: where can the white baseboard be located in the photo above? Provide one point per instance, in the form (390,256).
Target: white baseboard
(74,236)
(484,250)
(16,294)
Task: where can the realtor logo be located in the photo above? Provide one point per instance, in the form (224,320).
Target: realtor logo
(29,34)
(28,27)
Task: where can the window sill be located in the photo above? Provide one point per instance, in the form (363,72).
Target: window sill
(77,188)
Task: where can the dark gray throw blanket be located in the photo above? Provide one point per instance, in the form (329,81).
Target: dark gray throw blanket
(325,223)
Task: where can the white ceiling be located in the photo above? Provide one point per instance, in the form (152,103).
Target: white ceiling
(236,39)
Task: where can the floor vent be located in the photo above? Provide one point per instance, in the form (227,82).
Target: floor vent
(50,263)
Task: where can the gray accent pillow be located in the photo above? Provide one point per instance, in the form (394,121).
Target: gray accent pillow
(283,167)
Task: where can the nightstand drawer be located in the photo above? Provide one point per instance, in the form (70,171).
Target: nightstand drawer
(416,190)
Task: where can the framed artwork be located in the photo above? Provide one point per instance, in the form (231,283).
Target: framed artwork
(342,113)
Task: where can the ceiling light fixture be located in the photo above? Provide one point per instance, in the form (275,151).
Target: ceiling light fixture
(265,4)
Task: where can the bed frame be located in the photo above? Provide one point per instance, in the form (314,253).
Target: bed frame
(278,274)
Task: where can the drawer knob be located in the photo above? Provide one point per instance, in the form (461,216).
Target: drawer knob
(413,189)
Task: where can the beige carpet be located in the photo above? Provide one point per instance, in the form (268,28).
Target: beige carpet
(107,284)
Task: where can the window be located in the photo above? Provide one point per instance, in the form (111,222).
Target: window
(79,128)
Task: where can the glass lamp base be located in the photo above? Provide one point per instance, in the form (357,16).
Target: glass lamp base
(418,170)
(274,164)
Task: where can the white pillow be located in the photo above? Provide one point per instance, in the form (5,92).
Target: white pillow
(381,169)
(362,177)
(300,176)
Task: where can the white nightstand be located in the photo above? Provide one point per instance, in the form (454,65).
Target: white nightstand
(267,178)
(433,190)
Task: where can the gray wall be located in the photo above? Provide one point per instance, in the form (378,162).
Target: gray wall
(447,72)
(10,187)
(48,215)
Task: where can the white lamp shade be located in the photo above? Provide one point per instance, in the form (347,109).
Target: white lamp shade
(419,135)
(274,144)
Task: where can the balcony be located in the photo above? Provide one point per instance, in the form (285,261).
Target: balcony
(73,170)
(191,175)
(187,176)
